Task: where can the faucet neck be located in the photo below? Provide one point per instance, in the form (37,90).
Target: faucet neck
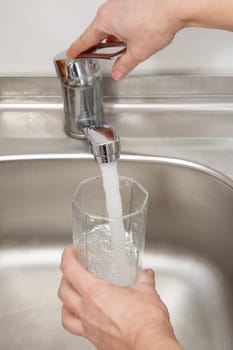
(81,81)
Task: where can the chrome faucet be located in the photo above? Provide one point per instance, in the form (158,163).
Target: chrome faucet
(81,81)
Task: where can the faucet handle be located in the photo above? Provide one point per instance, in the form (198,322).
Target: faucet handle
(102,49)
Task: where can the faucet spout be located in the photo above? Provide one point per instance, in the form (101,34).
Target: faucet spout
(104,142)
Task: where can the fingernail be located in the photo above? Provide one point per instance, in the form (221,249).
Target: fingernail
(117,75)
(150,272)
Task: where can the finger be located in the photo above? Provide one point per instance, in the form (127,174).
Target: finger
(146,277)
(70,297)
(124,65)
(150,272)
(91,37)
(80,279)
(72,323)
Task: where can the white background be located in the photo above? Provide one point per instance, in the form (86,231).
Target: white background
(33,32)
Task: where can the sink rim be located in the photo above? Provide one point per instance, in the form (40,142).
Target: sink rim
(184,163)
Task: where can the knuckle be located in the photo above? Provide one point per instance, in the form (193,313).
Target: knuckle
(62,289)
(126,65)
(64,264)
(138,54)
(60,293)
(65,323)
(64,254)
(103,12)
(64,318)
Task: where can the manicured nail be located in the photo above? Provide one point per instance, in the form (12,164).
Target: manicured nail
(117,75)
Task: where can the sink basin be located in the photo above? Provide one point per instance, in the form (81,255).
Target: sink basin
(189,244)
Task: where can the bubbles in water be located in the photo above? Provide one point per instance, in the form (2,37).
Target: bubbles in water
(99,247)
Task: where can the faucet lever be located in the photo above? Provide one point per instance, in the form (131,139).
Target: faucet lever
(102,49)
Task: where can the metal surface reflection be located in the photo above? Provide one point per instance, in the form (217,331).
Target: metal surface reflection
(189,245)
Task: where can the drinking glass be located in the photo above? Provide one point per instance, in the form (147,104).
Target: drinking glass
(110,247)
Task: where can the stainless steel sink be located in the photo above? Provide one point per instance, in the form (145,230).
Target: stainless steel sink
(189,240)
(189,244)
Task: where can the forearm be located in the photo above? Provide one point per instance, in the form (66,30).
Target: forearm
(215,14)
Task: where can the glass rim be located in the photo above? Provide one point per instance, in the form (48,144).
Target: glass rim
(123,217)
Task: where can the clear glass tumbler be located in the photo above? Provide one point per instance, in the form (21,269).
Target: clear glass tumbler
(110,247)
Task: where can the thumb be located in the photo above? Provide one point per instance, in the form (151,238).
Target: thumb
(123,65)
(146,277)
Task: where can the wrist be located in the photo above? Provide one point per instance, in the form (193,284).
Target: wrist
(168,344)
(207,14)
(151,340)
(195,13)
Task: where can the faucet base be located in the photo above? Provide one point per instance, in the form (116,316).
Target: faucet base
(76,135)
